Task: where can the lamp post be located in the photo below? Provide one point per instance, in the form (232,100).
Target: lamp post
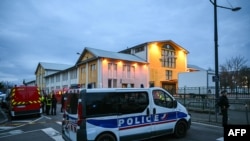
(216,77)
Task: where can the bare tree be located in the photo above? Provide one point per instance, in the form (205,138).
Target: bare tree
(230,72)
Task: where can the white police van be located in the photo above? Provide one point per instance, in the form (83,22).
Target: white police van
(122,114)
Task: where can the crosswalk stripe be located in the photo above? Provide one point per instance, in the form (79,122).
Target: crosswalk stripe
(59,122)
(220,139)
(6,128)
(53,134)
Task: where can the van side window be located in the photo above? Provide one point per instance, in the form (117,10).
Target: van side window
(132,102)
(101,104)
(162,99)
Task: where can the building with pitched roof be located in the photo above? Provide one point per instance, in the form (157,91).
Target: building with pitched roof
(165,60)
(155,63)
(44,69)
(106,69)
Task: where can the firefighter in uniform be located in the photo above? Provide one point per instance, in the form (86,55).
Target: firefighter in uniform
(48,104)
(42,102)
(53,106)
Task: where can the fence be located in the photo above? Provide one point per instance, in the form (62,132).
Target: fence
(203,109)
(239,93)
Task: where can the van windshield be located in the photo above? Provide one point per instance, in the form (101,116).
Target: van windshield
(71,102)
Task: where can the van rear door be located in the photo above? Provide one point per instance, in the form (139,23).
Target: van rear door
(69,127)
(25,100)
(33,99)
(19,99)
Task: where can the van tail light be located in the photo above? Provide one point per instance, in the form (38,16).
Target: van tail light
(79,111)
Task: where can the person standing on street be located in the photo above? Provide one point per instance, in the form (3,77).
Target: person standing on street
(54,103)
(43,103)
(48,104)
(62,102)
(224,105)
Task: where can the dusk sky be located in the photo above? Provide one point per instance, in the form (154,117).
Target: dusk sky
(33,31)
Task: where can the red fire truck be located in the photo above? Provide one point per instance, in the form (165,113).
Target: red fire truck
(24,100)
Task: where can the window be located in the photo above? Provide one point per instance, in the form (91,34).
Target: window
(114,83)
(109,83)
(162,99)
(47,81)
(114,70)
(83,72)
(169,74)
(113,103)
(83,69)
(168,57)
(110,70)
(65,76)
(71,103)
(92,67)
(139,49)
(92,70)
(132,102)
(128,72)
(124,71)
(132,71)
(58,78)
(52,79)
(101,104)
(73,74)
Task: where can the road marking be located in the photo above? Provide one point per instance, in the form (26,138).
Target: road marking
(47,117)
(15,132)
(207,124)
(53,134)
(25,121)
(220,139)
(6,127)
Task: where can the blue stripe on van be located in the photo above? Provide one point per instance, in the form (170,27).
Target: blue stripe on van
(137,121)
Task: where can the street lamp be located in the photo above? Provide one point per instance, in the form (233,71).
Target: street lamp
(216,77)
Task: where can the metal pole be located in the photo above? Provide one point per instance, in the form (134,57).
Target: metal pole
(216,58)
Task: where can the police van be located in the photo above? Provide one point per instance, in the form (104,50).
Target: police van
(122,114)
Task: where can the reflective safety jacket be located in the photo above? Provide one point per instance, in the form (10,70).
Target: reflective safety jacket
(48,101)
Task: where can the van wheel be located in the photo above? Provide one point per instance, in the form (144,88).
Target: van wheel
(180,129)
(106,137)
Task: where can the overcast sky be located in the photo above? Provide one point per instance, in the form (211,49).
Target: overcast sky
(33,31)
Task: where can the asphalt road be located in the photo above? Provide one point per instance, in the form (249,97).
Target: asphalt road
(48,127)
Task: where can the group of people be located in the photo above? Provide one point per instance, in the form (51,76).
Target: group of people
(49,103)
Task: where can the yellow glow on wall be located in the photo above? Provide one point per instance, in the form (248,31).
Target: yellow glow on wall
(181,55)
(135,65)
(104,61)
(154,47)
(120,63)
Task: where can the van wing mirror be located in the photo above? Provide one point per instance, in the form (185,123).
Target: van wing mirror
(174,103)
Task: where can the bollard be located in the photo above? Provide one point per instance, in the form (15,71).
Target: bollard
(247,113)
